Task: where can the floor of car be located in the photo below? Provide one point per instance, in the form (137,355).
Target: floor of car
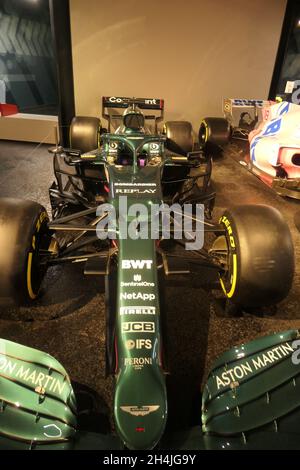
(68,321)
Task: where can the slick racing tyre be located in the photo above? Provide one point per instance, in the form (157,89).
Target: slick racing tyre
(84,133)
(259,256)
(214,133)
(23,234)
(179,136)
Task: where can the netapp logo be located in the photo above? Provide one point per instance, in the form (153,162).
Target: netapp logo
(137,263)
(136,296)
(138,327)
(137,310)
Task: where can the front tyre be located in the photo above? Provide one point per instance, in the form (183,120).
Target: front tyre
(214,133)
(179,136)
(260,256)
(85,133)
(23,235)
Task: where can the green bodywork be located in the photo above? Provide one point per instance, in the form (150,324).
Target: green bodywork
(258,411)
(140,405)
(254,386)
(37,403)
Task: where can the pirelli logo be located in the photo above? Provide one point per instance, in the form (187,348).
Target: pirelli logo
(138,327)
(138,310)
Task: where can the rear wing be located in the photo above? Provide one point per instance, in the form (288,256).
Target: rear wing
(244,113)
(123,102)
(155,104)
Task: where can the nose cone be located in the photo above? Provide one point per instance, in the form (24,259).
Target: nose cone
(140,407)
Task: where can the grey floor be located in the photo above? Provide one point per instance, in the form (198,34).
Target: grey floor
(68,321)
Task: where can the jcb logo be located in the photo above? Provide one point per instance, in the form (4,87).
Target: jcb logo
(138,327)
(137,263)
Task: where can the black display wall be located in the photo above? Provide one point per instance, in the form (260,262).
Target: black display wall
(287,67)
(27,65)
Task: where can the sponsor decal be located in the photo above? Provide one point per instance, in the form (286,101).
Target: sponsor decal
(140,410)
(150,101)
(258,103)
(134,191)
(138,344)
(138,362)
(135,188)
(154,146)
(113,148)
(113,99)
(42,382)
(140,185)
(234,375)
(136,296)
(137,282)
(227,224)
(138,327)
(138,310)
(227,106)
(137,263)
(154,149)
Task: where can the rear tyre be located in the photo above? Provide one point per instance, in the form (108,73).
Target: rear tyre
(23,233)
(84,133)
(260,256)
(179,136)
(214,133)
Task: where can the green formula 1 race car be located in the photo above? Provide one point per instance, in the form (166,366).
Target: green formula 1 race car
(109,189)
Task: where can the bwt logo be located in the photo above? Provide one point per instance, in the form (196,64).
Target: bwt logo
(137,263)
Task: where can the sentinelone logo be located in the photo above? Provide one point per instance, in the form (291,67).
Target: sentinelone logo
(152,221)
